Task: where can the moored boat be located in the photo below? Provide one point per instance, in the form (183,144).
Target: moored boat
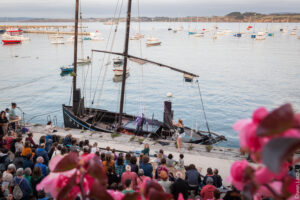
(11,41)
(70,68)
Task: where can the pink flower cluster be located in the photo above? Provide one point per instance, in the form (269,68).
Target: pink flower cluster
(257,136)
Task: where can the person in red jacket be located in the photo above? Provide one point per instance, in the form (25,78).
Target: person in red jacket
(129,175)
(207,191)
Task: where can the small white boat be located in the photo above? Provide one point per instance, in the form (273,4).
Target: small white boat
(293,32)
(137,36)
(56,36)
(118,61)
(84,61)
(118,70)
(57,41)
(260,36)
(153,43)
(96,36)
(152,39)
(199,34)
(72,38)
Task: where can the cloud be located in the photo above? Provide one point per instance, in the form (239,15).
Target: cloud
(105,8)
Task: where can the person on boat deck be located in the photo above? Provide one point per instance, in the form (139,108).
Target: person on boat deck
(12,115)
(140,120)
(180,128)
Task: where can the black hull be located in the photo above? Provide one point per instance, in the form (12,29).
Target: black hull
(154,127)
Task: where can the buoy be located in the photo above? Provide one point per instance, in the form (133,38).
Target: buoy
(169,94)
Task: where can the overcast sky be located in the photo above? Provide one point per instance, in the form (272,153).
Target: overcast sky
(104,8)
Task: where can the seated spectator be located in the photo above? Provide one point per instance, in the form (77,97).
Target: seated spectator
(233,194)
(42,195)
(108,163)
(26,149)
(164,181)
(36,178)
(119,167)
(158,159)
(113,151)
(3,142)
(9,139)
(193,178)
(4,159)
(128,187)
(30,140)
(133,165)
(179,186)
(207,192)
(112,177)
(181,161)
(23,184)
(68,140)
(94,149)
(147,167)
(49,127)
(170,161)
(146,150)
(27,175)
(27,162)
(218,178)
(127,158)
(74,147)
(54,151)
(4,191)
(217,194)
(209,174)
(129,175)
(40,151)
(39,163)
(19,144)
(18,160)
(141,178)
(162,167)
(8,175)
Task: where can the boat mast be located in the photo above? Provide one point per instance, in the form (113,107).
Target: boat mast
(75,50)
(125,54)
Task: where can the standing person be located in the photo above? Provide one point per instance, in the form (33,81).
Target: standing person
(164,181)
(18,160)
(181,134)
(4,159)
(140,120)
(207,191)
(12,115)
(36,178)
(218,178)
(142,178)
(27,162)
(44,168)
(27,175)
(181,161)
(26,149)
(133,165)
(108,163)
(128,187)
(19,144)
(23,183)
(129,175)
(3,123)
(40,151)
(30,140)
(7,113)
(119,168)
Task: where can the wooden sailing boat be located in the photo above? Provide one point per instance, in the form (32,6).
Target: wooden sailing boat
(77,116)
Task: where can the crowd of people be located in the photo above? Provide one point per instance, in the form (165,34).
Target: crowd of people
(24,164)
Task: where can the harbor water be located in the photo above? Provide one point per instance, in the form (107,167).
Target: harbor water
(236,75)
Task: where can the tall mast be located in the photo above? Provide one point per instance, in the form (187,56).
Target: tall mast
(125,62)
(75,49)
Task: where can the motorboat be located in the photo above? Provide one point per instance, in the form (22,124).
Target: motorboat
(11,41)
(84,61)
(57,41)
(96,36)
(69,69)
(118,70)
(118,61)
(153,43)
(71,39)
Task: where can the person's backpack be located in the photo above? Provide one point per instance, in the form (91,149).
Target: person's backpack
(17,192)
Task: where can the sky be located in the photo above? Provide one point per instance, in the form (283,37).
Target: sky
(151,8)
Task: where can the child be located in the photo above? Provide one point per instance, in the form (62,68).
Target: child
(146,150)
(94,148)
(181,161)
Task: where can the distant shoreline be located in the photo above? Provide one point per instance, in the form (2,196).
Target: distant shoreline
(231,17)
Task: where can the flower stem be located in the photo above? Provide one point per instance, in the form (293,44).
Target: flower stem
(81,186)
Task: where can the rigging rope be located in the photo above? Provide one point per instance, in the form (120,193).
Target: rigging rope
(106,66)
(203,107)
(106,47)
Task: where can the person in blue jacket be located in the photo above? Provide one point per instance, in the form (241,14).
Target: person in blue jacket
(40,151)
(23,184)
(147,167)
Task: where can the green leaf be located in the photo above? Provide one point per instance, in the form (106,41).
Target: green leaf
(98,192)
(96,170)
(63,193)
(277,150)
(278,121)
(67,163)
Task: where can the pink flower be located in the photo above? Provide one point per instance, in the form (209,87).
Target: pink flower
(237,171)
(259,114)
(276,186)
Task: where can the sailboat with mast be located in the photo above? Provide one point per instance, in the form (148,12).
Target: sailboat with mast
(77,116)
